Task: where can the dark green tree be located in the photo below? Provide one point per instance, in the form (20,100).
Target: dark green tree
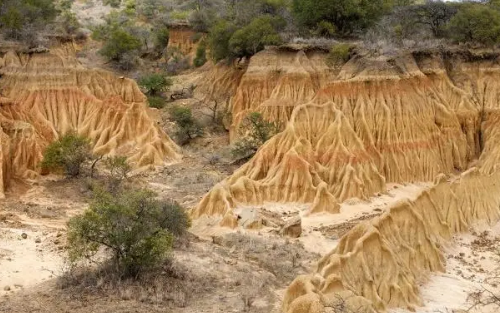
(476,23)
(136,228)
(201,55)
(347,16)
(155,83)
(119,43)
(252,38)
(187,126)
(218,39)
(68,154)
(255,131)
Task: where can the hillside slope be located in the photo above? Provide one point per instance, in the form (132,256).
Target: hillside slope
(45,95)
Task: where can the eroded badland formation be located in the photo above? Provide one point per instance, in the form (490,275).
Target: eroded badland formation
(381,193)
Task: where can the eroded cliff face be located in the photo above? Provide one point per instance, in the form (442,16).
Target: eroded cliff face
(409,123)
(275,82)
(419,117)
(45,95)
(184,39)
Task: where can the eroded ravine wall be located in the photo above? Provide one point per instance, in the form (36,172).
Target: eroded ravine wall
(384,259)
(411,122)
(430,116)
(46,95)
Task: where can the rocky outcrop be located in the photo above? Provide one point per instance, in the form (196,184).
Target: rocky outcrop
(46,95)
(292,228)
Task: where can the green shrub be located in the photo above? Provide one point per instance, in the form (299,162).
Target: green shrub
(218,40)
(255,131)
(477,23)
(252,38)
(120,43)
(68,154)
(156,102)
(346,15)
(177,64)
(155,83)
(118,170)
(339,54)
(180,15)
(137,229)
(325,29)
(201,55)
(161,38)
(187,126)
(112,3)
(20,18)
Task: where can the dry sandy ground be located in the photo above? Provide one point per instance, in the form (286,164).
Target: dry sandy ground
(472,271)
(216,275)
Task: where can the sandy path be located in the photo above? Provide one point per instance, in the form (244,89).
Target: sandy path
(27,262)
(472,264)
(41,214)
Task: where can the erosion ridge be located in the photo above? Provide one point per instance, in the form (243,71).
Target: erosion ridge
(362,131)
(405,119)
(48,94)
(276,81)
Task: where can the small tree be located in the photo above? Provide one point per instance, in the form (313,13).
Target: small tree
(156,102)
(118,169)
(433,14)
(477,23)
(161,38)
(256,132)
(119,44)
(252,38)
(135,227)
(188,127)
(339,54)
(67,154)
(201,55)
(347,16)
(112,3)
(155,83)
(218,40)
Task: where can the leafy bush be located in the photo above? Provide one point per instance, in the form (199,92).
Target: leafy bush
(202,20)
(136,228)
(188,127)
(325,29)
(218,40)
(112,3)
(180,15)
(252,38)
(256,132)
(19,18)
(347,16)
(201,55)
(119,44)
(339,54)
(161,38)
(476,23)
(155,83)
(433,14)
(156,102)
(69,22)
(118,169)
(177,64)
(67,154)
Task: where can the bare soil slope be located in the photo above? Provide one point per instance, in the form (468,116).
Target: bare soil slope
(45,95)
